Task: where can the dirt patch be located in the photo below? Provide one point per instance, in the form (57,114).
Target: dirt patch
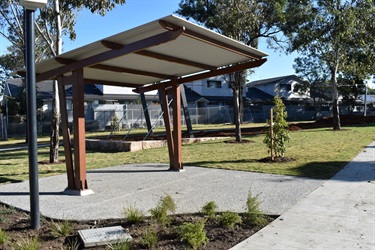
(16,224)
(276,159)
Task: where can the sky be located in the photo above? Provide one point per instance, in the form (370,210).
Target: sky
(92,27)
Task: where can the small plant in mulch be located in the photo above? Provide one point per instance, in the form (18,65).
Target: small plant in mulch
(149,238)
(209,209)
(229,219)
(133,215)
(160,212)
(193,233)
(61,229)
(253,214)
(3,237)
(28,244)
(119,246)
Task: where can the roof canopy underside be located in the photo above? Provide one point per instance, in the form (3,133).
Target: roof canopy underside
(165,49)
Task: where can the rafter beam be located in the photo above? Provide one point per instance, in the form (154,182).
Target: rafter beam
(117,46)
(117,69)
(111,54)
(170,26)
(222,71)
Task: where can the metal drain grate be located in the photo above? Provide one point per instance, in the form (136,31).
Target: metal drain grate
(104,236)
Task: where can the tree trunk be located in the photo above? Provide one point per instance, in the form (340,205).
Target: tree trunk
(55,119)
(237,120)
(55,124)
(335,103)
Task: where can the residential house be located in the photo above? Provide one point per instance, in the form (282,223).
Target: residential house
(101,102)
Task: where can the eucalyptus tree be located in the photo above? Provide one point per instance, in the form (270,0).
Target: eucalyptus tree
(243,20)
(339,34)
(52,22)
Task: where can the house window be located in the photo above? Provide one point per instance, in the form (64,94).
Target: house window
(213,84)
(286,87)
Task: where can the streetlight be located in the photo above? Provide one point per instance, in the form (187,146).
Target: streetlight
(31,6)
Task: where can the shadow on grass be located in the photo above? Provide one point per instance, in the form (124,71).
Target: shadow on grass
(316,170)
(4,179)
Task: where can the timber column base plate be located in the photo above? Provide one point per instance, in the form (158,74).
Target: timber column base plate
(78,192)
(176,170)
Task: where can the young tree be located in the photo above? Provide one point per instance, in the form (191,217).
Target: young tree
(339,34)
(277,135)
(242,20)
(58,18)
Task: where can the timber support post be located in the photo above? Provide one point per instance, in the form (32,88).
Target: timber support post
(79,131)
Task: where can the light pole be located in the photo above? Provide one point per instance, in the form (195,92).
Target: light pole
(31,6)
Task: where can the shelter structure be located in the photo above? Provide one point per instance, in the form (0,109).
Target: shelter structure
(160,55)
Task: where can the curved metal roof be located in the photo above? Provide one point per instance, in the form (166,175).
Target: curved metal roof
(164,49)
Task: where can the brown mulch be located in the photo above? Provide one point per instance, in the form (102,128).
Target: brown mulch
(16,224)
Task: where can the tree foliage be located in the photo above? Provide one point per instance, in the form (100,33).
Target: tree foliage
(55,20)
(340,35)
(243,20)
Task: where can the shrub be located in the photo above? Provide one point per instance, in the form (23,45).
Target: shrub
(209,209)
(253,215)
(160,215)
(3,236)
(229,219)
(149,239)
(119,246)
(73,245)
(61,229)
(168,203)
(160,212)
(193,233)
(28,244)
(276,141)
(133,215)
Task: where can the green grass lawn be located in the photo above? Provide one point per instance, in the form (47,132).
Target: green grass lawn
(317,153)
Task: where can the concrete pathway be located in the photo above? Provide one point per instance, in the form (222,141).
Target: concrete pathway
(340,214)
(143,185)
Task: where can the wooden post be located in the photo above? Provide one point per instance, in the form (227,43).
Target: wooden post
(66,134)
(177,135)
(167,123)
(271,135)
(79,130)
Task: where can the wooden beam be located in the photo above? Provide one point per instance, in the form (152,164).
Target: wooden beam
(200,37)
(66,134)
(111,54)
(177,135)
(117,69)
(79,131)
(222,71)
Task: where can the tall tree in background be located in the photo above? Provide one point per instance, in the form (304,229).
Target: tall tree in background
(54,21)
(338,34)
(242,20)
(315,80)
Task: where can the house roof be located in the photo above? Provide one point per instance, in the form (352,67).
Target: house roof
(255,95)
(162,50)
(273,81)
